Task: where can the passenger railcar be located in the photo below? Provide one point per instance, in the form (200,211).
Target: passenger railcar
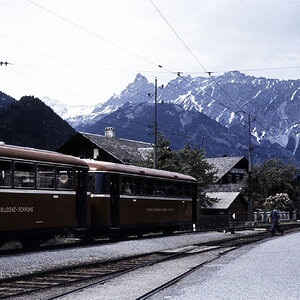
(133,199)
(42,193)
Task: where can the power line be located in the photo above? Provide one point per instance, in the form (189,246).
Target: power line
(194,56)
(93,33)
(45,83)
(133,53)
(243,70)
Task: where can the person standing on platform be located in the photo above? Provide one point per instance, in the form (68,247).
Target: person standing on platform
(274,219)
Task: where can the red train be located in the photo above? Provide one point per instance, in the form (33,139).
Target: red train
(45,193)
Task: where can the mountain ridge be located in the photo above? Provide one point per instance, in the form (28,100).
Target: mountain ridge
(135,121)
(30,122)
(228,99)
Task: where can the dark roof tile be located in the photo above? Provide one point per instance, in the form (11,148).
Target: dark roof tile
(122,149)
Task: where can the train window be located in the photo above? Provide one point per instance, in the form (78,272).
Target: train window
(101,183)
(150,187)
(178,189)
(186,190)
(64,178)
(45,177)
(5,173)
(24,175)
(169,188)
(127,185)
(138,186)
(160,188)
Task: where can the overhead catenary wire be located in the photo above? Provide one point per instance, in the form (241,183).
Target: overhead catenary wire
(194,56)
(39,26)
(93,33)
(45,83)
(241,70)
(83,29)
(134,53)
(205,70)
(127,49)
(171,131)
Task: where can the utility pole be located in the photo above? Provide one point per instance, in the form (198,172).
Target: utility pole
(250,200)
(155,124)
(250,211)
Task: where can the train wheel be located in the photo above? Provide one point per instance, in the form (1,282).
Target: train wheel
(30,244)
(168,231)
(88,238)
(140,234)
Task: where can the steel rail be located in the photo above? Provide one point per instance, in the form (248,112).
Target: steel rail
(107,270)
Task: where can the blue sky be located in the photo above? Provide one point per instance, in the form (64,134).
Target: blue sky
(83,51)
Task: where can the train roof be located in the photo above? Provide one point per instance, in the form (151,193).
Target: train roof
(113,167)
(9,151)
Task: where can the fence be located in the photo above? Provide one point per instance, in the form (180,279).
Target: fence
(262,216)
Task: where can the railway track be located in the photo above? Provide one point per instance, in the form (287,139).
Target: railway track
(102,271)
(59,283)
(230,244)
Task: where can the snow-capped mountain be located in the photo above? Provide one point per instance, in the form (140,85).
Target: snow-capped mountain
(273,105)
(135,121)
(75,115)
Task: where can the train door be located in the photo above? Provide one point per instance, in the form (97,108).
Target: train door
(195,205)
(81,189)
(115,200)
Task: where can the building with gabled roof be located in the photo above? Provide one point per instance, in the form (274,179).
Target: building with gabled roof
(106,147)
(229,173)
(228,169)
(228,203)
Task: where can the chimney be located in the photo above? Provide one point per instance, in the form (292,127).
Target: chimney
(109,132)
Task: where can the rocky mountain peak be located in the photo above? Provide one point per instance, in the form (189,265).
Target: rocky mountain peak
(272,103)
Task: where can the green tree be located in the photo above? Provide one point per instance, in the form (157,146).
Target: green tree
(189,161)
(166,159)
(192,163)
(270,178)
